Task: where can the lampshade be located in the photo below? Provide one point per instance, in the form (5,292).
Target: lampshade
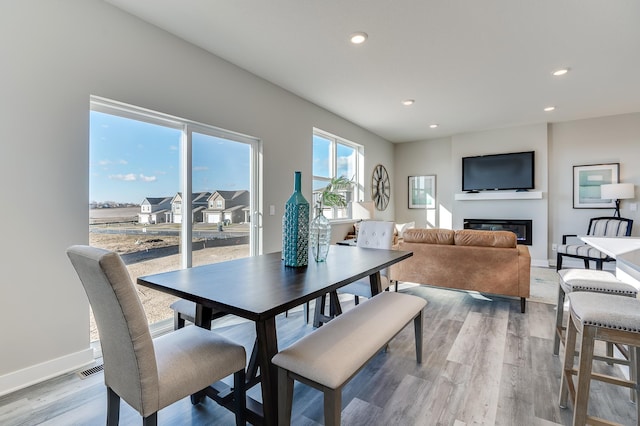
(362,210)
(617,191)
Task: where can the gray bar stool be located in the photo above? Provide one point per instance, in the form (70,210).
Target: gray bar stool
(589,280)
(604,317)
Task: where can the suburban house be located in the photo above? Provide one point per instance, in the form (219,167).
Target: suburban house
(153,210)
(227,206)
(198,205)
(58,56)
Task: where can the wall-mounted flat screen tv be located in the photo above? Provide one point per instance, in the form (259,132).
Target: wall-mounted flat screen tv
(499,171)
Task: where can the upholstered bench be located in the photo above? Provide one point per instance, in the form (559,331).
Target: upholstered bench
(330,356)
(589,280)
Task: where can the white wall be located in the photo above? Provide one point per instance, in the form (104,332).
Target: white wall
(614,139)
(442,157)
(55,54)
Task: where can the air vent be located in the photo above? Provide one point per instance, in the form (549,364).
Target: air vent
(91,371)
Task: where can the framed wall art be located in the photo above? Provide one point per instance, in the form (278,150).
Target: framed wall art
(586,185)
(422,192)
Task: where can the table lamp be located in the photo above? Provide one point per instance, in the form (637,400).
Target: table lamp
(617,192)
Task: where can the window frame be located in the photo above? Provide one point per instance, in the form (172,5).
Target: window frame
(358,178)
(188,127)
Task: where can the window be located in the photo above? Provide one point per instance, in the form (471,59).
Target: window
(152,177)
(335,157)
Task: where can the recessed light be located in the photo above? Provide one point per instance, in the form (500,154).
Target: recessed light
(549,108)
(358,38)
(433,126)
(561,71)
(408,102)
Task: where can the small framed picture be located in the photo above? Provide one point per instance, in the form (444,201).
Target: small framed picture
(422,192)
(586,185)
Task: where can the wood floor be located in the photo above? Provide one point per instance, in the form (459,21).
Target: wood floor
(484,363)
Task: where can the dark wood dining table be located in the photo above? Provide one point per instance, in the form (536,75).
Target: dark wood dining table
(260,287)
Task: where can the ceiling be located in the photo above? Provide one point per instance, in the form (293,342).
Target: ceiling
(469,65)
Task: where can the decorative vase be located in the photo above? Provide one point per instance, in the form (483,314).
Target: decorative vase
(295,227)
(320,235)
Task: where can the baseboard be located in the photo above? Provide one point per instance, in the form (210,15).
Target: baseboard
(20,379)
(540,263)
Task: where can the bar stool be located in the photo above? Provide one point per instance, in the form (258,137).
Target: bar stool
(590,280)
(604,317)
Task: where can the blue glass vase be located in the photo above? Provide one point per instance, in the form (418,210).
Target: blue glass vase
(295,227)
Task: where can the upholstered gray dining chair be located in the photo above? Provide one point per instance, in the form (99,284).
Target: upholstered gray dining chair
(598,227)
(150,374)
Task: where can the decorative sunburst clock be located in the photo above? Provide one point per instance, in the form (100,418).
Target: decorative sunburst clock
(380,187)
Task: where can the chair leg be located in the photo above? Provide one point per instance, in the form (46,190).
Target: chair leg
(319,311)
(113,407)
(239,397)
(178,321)
(306,312)
(634,357)
(356,300)
(599,265)
(559,320)
(285,397)
(151,420)
(559,262)
(586,263)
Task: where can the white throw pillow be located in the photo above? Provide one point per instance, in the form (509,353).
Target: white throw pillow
(401,227)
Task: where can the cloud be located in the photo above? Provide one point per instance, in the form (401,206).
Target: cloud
(123,162)
(147,178)
(127,178)
(200,168)
(173,148)
(104,162)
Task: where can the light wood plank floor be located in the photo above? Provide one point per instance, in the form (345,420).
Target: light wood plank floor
(484,363)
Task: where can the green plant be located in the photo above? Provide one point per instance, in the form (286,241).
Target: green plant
(331,195)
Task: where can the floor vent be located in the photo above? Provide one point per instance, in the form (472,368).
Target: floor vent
(91,371)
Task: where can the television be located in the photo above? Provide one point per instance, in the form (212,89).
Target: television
(498,171)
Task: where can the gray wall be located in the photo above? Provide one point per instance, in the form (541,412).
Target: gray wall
(55,54)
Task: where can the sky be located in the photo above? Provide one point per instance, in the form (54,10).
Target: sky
(131,160)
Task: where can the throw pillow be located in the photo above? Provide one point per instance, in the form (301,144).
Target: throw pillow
(401,227)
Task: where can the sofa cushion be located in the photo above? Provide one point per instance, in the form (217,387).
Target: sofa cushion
(473,237)
(429,236)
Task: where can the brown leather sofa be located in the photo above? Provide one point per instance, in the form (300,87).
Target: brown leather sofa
(482,261)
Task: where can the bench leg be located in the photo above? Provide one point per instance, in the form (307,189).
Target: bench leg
(332,406)
(285,397)
(417,327)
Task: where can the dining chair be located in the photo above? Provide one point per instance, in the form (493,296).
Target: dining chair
(371,234)
(598,227)
(150,374)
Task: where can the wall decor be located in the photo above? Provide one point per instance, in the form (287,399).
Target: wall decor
(380,187)
(422,192)
(586,185)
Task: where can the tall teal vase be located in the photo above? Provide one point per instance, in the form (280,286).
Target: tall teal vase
(295,227)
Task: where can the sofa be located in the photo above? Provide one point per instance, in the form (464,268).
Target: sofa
(474,260)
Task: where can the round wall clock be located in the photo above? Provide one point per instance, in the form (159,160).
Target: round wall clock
(380,187)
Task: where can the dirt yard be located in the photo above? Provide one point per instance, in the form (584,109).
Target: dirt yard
(156,304)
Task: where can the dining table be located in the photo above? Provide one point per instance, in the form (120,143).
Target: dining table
(258,288)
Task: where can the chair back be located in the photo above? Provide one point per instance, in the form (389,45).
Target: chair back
(375,234)
(129,358)
(610,227)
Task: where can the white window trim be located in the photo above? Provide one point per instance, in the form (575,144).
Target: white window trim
(187,127)
(358,189)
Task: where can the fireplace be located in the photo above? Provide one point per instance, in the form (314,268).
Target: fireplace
(522,228)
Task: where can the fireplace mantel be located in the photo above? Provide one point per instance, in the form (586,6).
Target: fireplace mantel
(499,195)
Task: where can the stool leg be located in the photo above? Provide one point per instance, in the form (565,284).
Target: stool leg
(585,364)
(567,364)
(559,320)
